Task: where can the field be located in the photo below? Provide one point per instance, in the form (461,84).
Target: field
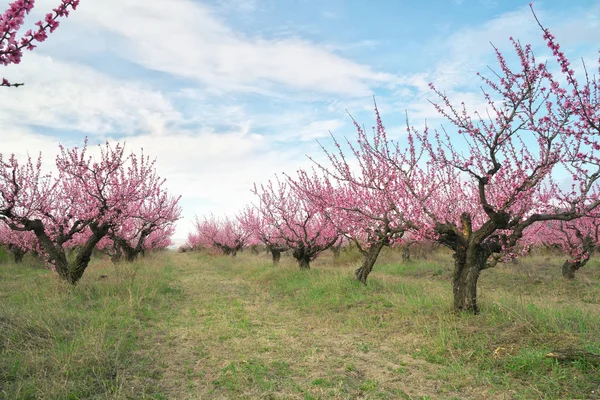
(193,325)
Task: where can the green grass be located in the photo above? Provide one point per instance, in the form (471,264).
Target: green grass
(4,255)
(199,326)
(58,341)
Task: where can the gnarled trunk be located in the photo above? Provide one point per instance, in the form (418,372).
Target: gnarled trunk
(468,263)
(569,268)
(123,250)
(302,255)
(370,257)
(71,272)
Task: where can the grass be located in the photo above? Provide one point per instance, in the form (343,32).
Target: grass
(192,325)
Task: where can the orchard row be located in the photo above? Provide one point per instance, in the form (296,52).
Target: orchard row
(523,173)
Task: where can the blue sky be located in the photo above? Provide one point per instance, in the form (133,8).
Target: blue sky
(226,93)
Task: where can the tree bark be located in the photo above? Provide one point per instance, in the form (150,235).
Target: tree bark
(570,267)
(276,253)
(85,253)
(303,257)
(304,263)
(370,257)
(405,253)
(468,263)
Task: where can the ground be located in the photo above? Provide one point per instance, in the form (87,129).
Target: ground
(199,326)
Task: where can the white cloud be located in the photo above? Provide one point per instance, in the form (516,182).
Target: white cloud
(70,96)
(319,129)
(184,38)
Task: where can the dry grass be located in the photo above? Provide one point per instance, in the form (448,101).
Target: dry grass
(191,325)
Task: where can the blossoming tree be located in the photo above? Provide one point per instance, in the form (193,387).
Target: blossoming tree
(226,235)
(367,202)
(156,213)
(17,242)
(257,226)
(86,197)
(300,223)
(579,239)
(501,177)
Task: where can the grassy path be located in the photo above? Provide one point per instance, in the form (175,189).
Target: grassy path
(246,330)
(191,326)
(231,339)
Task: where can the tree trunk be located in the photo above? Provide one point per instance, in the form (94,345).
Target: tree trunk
(72,272)
(17,253)
(304,263)
(467,266)
(405,253)
(569,267)
(369,261)
(303,257)
(336,252)
(116,257)
(130,254)
(276,253)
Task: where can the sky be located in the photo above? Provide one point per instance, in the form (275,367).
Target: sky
(225,93)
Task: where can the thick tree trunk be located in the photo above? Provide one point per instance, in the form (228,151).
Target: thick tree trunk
(465,289)
(123,251)
(569,268)
(369,261)
(303,257)
(131,254)
(71,272)
(276,253)
(304,263)
(467,266)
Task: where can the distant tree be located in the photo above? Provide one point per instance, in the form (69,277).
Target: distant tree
(258,228)
(579,239)
(302,225)
(367,203)
(150,223)
(226,235)
(18,243)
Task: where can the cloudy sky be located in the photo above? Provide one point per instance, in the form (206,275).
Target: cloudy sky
(225,93)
